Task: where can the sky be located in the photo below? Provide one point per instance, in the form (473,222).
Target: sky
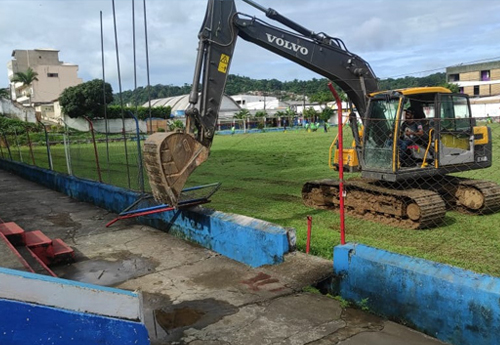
(397,37)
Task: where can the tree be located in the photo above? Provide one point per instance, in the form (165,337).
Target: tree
(452,87)
(4,93)
(261,113)
(326,114)
(86,99)
(242,114)
(26,79)
(310,113)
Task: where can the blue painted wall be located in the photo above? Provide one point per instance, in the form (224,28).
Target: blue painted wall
(449,303)
(247,240)
(24,323)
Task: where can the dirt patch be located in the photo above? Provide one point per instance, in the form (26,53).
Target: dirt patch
(273,182)
(285,197)
(62,220)
(166,322)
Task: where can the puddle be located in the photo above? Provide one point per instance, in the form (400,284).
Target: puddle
(166,322)
(107,273)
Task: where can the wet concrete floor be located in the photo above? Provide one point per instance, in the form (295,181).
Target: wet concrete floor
(191,294)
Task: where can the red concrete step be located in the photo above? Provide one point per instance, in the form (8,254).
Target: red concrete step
(62,252)
(41,245)
(14,233)
(10,256)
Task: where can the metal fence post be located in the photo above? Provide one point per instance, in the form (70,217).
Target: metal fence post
(95,148)
(18,147)
(30,146)
(7,145)
(138,134)
(67,151)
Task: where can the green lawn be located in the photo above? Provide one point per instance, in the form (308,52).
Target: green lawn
(262,176)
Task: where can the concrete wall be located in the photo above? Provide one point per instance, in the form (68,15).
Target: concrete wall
(19,112)
(38,309)
(114,125)
(247,240)
(449,303)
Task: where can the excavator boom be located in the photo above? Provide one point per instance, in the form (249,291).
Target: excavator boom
(170,158)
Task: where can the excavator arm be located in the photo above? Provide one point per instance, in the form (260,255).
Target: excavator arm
(170,158)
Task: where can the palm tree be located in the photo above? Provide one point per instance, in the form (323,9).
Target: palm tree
(4,93)
(26,79)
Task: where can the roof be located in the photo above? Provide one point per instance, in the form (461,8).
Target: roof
(415,90)
(179,104)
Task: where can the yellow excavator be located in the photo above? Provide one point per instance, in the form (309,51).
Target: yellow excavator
(409,189)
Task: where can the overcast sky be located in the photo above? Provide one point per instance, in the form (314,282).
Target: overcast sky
(397,37)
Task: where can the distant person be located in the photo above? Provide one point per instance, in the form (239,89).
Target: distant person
(325,127)
(233,130)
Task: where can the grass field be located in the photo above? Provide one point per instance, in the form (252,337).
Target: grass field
(262,176)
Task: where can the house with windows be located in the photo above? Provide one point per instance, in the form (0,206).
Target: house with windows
(481,81)
(476,80)
(53,77)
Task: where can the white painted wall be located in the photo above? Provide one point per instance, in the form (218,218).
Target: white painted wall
(70,295)
(22,113)
(114,125)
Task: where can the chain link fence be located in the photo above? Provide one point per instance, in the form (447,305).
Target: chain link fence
(112,158)
(417,168)
(435,164)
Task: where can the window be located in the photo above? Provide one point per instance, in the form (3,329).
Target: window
(476,90)
(52,75)
(485,75)
(455,114)
(453,77)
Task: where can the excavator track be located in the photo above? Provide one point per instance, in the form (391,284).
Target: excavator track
(469,196)
(408,208)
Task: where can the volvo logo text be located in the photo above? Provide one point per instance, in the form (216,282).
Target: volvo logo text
(287,44)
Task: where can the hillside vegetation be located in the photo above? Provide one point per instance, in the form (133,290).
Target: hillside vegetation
(284,90)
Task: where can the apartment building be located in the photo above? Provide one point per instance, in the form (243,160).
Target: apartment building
(476,80)
(53,76)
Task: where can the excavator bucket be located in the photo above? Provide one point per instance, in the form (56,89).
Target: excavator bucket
(169,159)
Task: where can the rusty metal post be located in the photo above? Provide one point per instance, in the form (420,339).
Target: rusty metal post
(95,148)
(30,145)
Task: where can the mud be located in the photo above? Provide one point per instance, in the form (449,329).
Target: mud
(166,322)
(107,273)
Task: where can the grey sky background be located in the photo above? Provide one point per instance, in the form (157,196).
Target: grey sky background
(397,37)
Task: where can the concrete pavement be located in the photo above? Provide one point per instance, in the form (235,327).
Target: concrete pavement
(191,294)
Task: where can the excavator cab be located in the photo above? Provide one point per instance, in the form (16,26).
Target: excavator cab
(448,143)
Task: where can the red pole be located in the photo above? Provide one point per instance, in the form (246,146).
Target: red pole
(341,163)
(309,226)
(95,148)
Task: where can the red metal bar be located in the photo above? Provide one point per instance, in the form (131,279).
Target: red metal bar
(95,148)
(158,210)
(341,163)
(309,226)
(30,146)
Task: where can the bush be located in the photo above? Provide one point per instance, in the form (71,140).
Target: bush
(142,113)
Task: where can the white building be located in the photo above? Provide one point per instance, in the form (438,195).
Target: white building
(255,103)
(53,76)
(179,104)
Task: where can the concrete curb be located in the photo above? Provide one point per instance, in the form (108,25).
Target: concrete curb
(446,302)
(39,309)
(250,241)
